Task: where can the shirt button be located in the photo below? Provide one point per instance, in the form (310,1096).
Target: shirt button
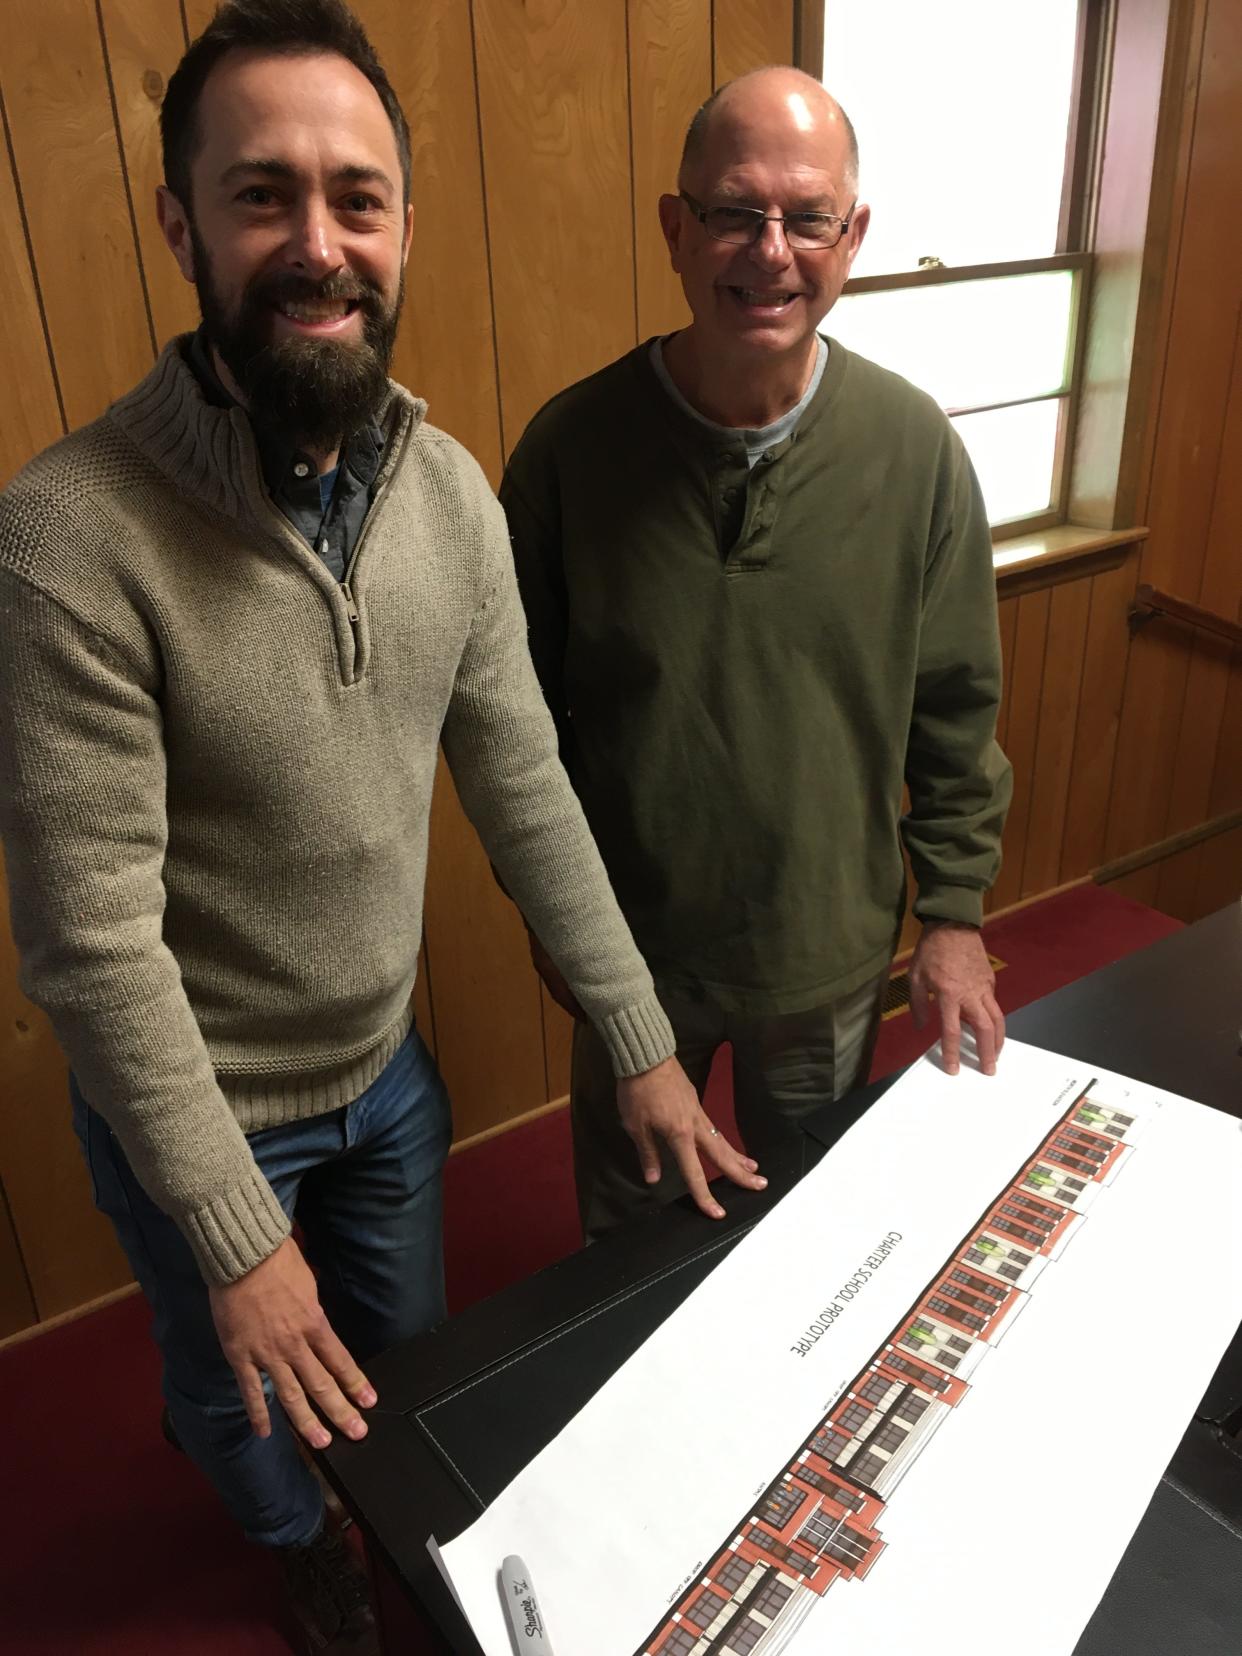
(301,469)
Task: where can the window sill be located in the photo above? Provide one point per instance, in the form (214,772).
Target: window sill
(1067,552)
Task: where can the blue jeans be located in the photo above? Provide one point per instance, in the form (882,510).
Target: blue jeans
(364,1184)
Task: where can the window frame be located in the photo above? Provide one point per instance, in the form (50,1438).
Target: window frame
(1073,501)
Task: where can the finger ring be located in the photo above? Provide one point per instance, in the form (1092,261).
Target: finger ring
(715,1132)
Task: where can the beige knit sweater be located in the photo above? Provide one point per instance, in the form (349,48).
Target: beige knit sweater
(216,767)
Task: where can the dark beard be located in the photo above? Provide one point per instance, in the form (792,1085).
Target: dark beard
(316,392)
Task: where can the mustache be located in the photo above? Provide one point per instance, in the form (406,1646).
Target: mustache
(289,286)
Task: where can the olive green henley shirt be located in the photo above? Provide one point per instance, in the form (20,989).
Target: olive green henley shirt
(745,665)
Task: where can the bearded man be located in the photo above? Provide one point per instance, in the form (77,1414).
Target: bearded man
(237,615)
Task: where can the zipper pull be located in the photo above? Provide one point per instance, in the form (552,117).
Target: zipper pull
(351,609)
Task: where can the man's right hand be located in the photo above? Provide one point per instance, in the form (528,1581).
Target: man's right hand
(553,981)
(660,1105)
(270,1321)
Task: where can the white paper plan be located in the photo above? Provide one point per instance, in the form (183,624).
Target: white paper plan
(921,1407)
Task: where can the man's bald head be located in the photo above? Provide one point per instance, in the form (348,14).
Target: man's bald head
(775,93)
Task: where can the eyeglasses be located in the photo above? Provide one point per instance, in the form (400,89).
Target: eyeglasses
(742,226)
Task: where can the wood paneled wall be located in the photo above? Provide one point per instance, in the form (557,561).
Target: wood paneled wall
(543,130)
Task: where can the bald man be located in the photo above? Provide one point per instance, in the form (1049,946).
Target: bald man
(758,575)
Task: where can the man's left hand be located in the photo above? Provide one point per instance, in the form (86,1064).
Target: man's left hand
(951,963)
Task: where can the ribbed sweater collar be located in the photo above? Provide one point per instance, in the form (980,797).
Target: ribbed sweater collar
(209,452)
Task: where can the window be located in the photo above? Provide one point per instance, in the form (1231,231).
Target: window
(1073,1184)
(829,1444)
(847,1546)
(678,1643)
(925,1377)
(852,1417)
(957,1343)
(1065,1160)
(910,1408)
(1023,1212)
(875,1389)
(772,1598)
(1008,1226)
(733,1572)
(779,1506)
(867,1468)
(1018,1257)
(889,1438)
(959,1315)
(745,1637)
(838,1492)
(776,1549)
(979,1284)
(988,326)
(705,1609)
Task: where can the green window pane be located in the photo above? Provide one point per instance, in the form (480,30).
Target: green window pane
(962,114)
(967,344)
(1014,452)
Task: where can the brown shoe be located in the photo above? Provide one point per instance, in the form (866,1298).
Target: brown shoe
(330,1596)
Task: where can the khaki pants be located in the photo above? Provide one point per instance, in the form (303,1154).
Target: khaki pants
(783,1068)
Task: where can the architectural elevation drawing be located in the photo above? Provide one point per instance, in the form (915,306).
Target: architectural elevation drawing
(866,1430)
(819,1520)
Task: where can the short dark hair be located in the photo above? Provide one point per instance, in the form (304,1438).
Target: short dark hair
(287,27)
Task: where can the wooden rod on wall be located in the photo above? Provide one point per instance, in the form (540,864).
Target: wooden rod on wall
(1149,601)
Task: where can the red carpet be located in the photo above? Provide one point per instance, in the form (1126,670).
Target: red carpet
(114,1547)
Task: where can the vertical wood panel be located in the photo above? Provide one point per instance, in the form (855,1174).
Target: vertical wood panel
(68,166)
(1099,712)
(199,13)
(17,1306)
(69,1250)
(1211,661)
(558,1035)
(1220,873)
(1227,785)
(1177,883)
(1062,679)
(1007,625)
(670,76)
(31,412)
(144,44)
(1030,639)
(485,994)
(750,34)
(445,348)
(552,92)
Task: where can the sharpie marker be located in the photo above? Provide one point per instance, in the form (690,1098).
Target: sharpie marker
(526,1622)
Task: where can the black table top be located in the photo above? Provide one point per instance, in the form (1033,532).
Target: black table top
(466,1406)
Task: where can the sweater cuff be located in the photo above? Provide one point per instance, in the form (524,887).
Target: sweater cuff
(638,1038)
(950,902)
(236,1232)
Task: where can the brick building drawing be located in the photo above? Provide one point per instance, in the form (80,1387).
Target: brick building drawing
(817,1521)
